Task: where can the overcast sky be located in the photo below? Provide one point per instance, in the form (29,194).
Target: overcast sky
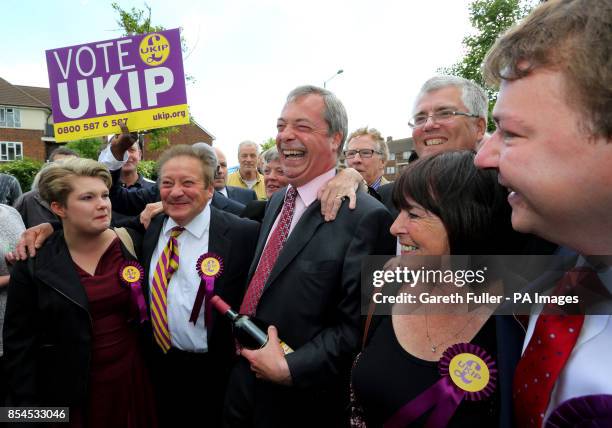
(246,55)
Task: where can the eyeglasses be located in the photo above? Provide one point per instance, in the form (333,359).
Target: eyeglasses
(441,116)
(363,153)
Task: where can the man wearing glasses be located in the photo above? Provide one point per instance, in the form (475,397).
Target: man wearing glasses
(450,114)
(367,152)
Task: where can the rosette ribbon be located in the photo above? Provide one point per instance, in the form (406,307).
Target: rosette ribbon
(587,411)
(131,274)
(468,373)
(209,267)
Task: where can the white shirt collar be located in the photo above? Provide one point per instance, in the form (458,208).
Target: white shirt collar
(197,226)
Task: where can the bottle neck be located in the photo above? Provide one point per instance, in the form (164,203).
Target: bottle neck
(232,315)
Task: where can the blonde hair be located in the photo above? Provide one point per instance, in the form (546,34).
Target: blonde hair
(55,181)
(376,136)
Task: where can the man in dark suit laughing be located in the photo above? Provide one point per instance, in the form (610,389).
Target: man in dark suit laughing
(305,279)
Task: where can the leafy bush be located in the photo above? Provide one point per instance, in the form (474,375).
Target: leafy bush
(23,170)
(86,148)
(148,169)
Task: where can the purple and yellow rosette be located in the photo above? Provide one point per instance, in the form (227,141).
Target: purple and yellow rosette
(209,267)
(131,274)
(468,373)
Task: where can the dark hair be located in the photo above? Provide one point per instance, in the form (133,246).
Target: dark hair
(62,151)
(469,201)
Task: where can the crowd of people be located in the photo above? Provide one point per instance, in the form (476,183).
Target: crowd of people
(108,298)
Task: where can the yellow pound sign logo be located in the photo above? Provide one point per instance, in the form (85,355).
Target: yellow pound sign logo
(154,49)
(469,372)
(210,266)
(130,274)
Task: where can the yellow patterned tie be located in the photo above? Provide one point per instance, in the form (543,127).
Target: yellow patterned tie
(166,266)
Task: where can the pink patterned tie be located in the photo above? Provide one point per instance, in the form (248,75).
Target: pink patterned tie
(269,255)
(551,344)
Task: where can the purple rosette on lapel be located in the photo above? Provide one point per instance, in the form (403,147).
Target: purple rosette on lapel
(209,267)
(131,274)
(589,411)
(468,373)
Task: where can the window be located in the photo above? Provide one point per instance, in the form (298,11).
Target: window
(391,156)
(390,170)
(406,155)
(10,151)
(10,117)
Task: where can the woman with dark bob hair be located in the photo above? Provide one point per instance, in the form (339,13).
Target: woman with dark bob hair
(73,312)
(406,374)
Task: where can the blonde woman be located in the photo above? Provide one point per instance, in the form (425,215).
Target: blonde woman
(71,326)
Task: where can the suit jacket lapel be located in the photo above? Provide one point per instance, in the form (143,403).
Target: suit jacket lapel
(274,208)
(149,243)
(219,244)
(299,237)
(55,268)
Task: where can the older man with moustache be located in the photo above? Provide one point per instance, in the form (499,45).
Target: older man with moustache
(304,283)
(553,150)
(244,196)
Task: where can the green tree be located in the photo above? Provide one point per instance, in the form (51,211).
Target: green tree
(138,21)
(86,148)
(148,169)
(489,18)
(270,142)
(23,170)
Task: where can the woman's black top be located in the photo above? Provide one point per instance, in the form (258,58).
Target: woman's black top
(386,377)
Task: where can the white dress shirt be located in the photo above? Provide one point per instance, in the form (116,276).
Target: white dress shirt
(184,283)
(588,370)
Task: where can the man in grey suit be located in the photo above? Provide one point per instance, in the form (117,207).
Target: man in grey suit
(305,279)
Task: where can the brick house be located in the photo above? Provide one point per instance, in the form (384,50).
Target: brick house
(25,122)
(26,125)
(186,134)
(401,152)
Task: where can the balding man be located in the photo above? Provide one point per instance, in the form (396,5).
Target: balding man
(244,196)
(247,176)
